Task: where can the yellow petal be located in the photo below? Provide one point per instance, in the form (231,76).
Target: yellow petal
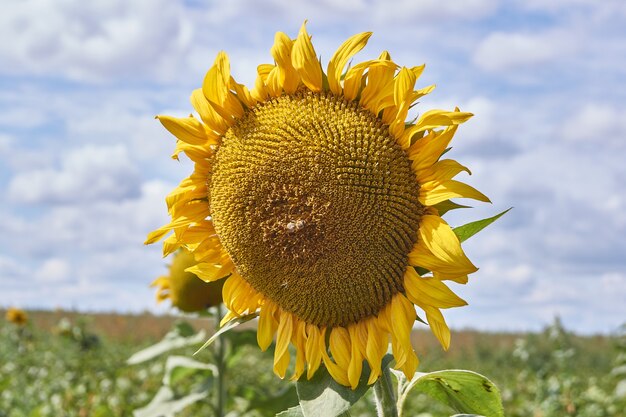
(438,249)
(338,373)
(447,190)
(305,61)
(208,115)
(299,340)
(437,118)
(273,84)
(208,272)
(355,367)
(187,129)
(377,341)
(230,292)
(228,317)
(313,350)
(281,354)
(402,316)
(217,80)
(426,151)
(340,58)
(402,97)
(216,89)
(379,84)
(405,81)
(429,291)
(340,346)
(157,235)
(281,51)
(170,245)
(443,170)
(353,81)
(243,93)
(410,365)
(259,92)
(267,326)
(438,325)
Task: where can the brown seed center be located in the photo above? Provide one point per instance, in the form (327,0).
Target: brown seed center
(317,205)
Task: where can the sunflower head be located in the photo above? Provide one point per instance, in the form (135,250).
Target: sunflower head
(317,199)
(185,290)
(16,316)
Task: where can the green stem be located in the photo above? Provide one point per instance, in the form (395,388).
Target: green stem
(385,396)
(221,367)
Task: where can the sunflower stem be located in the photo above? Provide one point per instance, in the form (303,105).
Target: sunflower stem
(384,395)
(221,366)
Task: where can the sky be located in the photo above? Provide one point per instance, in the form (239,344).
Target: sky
(85,167)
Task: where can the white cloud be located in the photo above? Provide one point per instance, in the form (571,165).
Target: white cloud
(538,149)
(6,143)
(597,123)
(614,7)
(90,173)
(53,270)
(503,51)
(433,10)
(93,255)
(93,40)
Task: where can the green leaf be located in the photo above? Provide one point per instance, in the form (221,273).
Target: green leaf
(178,367)
(184,329)
(291,412)
(175,339)
(447,205)
(164,403)
(272,404)
(243,337)
(323,397)
(464,391)
(228,326)
(237,339)
(470,229)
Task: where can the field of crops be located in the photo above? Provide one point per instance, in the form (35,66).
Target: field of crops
(66,364)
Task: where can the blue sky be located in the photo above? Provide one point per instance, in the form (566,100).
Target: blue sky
(84,167)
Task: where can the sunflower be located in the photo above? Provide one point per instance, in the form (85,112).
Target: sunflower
(317,200)
(187,292)
(16,316)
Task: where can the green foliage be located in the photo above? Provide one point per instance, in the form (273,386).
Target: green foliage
(321,396)
(226,328)
(463,391)
(470,229)
(165,403)
(180,336)
(550,374)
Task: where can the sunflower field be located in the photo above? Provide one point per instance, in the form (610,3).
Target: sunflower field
(65,364)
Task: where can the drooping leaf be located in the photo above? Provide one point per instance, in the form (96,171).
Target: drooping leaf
(464,391)
(164,403)
(175,339)
(467,415)
(178,367)
(323,397)
(470,229)
(291,412)
(227,327)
